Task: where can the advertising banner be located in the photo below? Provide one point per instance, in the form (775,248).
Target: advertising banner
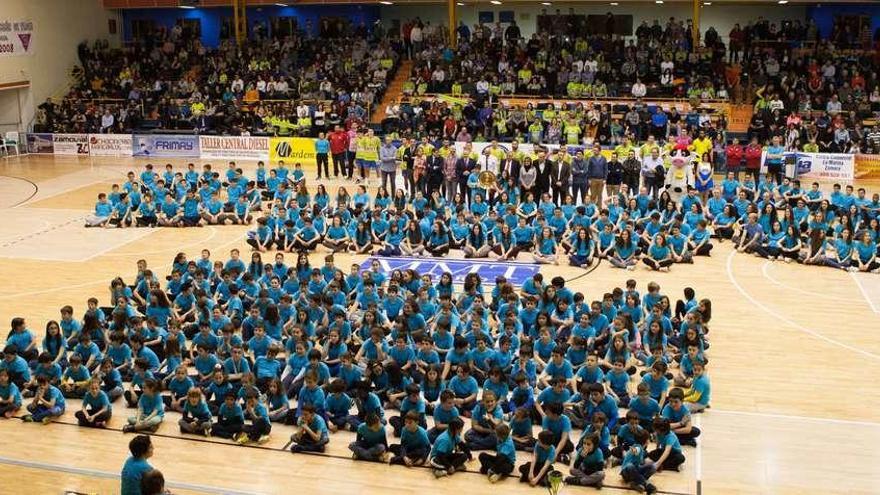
(867,166)
(827,166)
(40,143)
(71,144)
(516,273)
(234,147)
(110,144)
(16,37)
(292,149)
(165,145)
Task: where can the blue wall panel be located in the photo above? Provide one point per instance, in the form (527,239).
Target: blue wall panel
(212,18)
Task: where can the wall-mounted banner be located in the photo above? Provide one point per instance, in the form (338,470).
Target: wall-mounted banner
(110,144)
(234,147)
(71,144)
(292,150)
(165,145)
(867,166)
(828,166)
(515,273)
(40,144)
(16,37)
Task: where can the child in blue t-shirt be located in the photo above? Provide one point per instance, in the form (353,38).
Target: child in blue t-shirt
(535,472)
(589,464)
(312,435)
(635,469)
(150,410)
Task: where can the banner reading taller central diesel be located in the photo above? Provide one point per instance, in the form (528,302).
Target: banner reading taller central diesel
(234,147)
(165,145)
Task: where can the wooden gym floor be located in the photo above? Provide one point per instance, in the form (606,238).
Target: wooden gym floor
(792,347)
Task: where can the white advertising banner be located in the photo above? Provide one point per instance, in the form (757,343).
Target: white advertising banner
(16,37)
(824,166)
(234,147)
(110,144)
(71,144)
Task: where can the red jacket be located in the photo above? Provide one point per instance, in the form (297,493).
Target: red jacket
(753,156)
(338,142)
(734,154)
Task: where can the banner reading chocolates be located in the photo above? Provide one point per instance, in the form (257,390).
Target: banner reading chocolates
(110,144)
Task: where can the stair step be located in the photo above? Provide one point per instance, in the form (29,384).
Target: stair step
(393,92)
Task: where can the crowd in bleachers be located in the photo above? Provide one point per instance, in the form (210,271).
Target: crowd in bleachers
(169,80)
(807,90)
(814,98)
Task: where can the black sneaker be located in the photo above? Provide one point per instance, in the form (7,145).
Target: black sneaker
(650,488)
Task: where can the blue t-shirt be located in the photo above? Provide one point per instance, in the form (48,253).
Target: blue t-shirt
(132,472)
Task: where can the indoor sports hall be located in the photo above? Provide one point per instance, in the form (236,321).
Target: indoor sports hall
(703,147)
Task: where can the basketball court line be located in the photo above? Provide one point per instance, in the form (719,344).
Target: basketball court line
(96,282)
(17,235)
(775,281)
(793,324)
(176,249)
(812,419)
(698,464)
(864,292)
(139,236)
(98,473)
(34,199)
(284,449)
(32,183)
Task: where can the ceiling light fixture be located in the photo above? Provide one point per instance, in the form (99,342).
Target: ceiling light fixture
(782,2)
(614,4)
(546,3)
(187,7)
(495,2)
(386,2)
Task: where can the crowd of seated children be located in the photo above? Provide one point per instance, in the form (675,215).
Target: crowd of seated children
(446,372)
(792,224)
(772,217)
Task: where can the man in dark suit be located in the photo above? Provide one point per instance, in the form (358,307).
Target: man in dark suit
(560,178)
(463,168)
(434,165)
(510,168)
(545,165)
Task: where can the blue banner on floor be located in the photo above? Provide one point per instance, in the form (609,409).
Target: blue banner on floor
(488,270)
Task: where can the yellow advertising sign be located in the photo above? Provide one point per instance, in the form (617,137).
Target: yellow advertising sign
(292,150)
(867,166)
